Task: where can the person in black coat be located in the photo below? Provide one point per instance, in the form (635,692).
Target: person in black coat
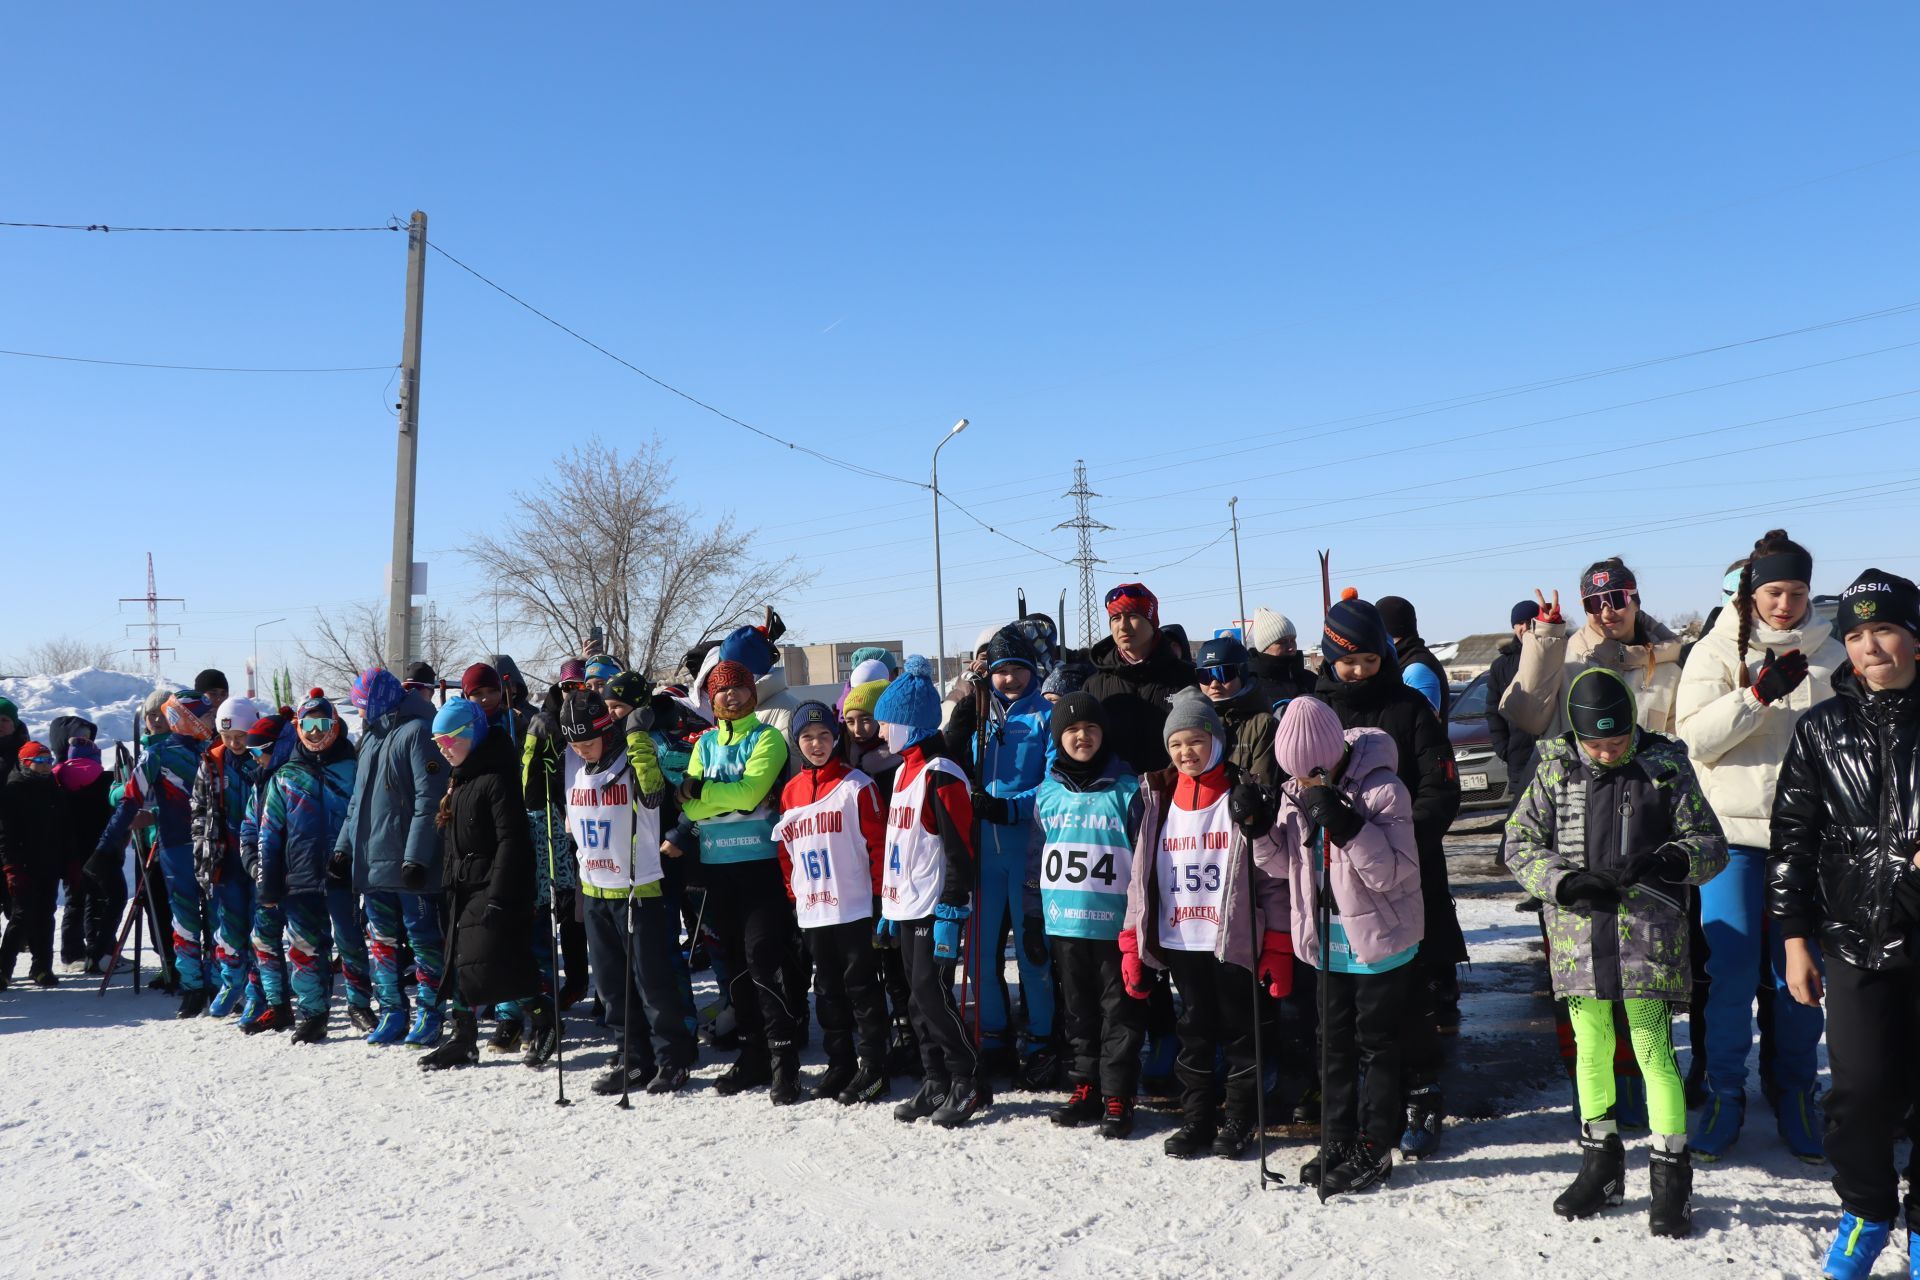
(36,844)
(1136,672)
(94,906)
(1418,666)
(487,875)
(1513,745)
(1361,681)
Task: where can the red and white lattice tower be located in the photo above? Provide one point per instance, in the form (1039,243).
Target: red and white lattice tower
(153,600)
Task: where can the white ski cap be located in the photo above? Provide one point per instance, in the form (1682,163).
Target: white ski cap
(236,713)
(1269,628)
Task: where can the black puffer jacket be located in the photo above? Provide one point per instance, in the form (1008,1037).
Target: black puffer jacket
(489,859)
(1846,824)
(1135,696)
(36,833)
(1281,676)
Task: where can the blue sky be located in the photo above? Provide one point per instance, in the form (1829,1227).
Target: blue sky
(1213,250)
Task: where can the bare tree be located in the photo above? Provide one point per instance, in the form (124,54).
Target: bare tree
(601,543)
(354,638)
(60,654)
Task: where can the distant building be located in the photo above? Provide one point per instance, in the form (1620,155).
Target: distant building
(1470,656)
(825,664)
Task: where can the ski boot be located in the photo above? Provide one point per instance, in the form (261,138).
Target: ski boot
(543,1038)
(783,1084)
(1194,1138)
(749,1071)
(668,1080)
(1426,1109)
(310,1029)
(1670,1173)
(427,1024)
(1802,1126)
(932,1095)
(1081,1107)
(506,1035)
(869,1084)
(45,979)
(256,1001)
(832,1081)
(1040,1070)
(1602,1181)
(1235,1136)
(1307,1110)
(391,1029)
(271,1017)
(361,1017)
(227,1000)
(1330,1156)
(964,1097)
(626,1075)
(1118,1120)
(1717,1127)
(1366,1165)
(461,1049)
(1855,1247)
(193,1003)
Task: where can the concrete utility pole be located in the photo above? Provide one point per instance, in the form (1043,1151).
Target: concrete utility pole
(400,574)
(1239,587)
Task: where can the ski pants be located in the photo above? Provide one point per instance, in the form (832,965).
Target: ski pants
(188,909)
(1873,1042)
(1733,917)
(748,906)
(1650,1025)
(1105,1026)
(310,933)
(29,921)
(847,993)
(1003,869)
(641,975)
(419,914)
(159,910)
(350,939)
(1419,1036)
(231,906)
(269,951)
(946,1045)
(1361,1030)
(91,919)
(1216,1018)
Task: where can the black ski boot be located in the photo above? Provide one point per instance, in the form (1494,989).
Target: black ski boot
(461,1049)
(626,1075)
(1366,1165)
(1329,1157)
(1194,1138)
(1670,1173)
(44,979)
(869,1084)
(1040,1070)
(362,1017)
(311,1029)
(964,1097)
(931,1096)
(194,1003)
(543,1037)
(506,1036)
(1235,1136)
(1602,1181)
(749,1071)
(1081,1107)
(1307,1110)
(833,1081)
(668,1080)
(783,1086)
(274,1017)
(1118,1120)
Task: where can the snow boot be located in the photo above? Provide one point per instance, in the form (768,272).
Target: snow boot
(543,1038)
(668,1080)
(256,1001)
(427,1025)
(1717,1127)
(310,1029)
(1328,1157)
(964,1097)
(1366,1165)
(833,1081)
(1855,1247)
(227,1000)
(193,1003)
(870,1084)
(783,1086)
(506,1036)
(626,1075)
(1081,1107)
(361,1017)
(271,1017)
(749,1071)
(391,1029)
(1235,1136)
(1802,1126)
(1039,1070)
(1671,1175)
(461,1049)
(1602,1181)
(1118,1120)
(1426,1109)
(931,1096)
(1194,1138)
(45,979)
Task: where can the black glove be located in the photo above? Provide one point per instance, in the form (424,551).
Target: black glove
(563,902)
(1587,889)
(1033,939)
(340,868)
(1779,676)
(991,808)
(690,788)
(1328,810)
(1252,808)
(1668,862)
(413,877)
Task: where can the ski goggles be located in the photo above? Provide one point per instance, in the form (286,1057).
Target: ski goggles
(1219,675)
(262,752)
(315,724)
(1614,600)
(446,741)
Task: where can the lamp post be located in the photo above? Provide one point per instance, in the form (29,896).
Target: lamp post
(939,595)
(1240,590)
(253,665)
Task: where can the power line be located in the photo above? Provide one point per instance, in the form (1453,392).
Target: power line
(192,368)
(394,225)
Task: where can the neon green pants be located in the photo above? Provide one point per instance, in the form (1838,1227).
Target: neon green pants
(1650,1024)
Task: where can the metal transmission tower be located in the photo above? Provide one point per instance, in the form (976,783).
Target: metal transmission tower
(1086,526)
(153,600)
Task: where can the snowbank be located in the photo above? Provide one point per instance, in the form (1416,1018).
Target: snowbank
(111,699)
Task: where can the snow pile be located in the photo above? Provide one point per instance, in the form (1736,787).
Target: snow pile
(111,699)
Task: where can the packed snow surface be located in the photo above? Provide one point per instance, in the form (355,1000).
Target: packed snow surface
(111,699)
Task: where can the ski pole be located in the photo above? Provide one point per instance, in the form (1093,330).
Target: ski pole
(627,1001)
(553,956)
(1323,907)
(1267,1176)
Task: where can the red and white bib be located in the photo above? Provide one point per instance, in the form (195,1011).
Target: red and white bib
(832,874)
(1192,872)
(916,864)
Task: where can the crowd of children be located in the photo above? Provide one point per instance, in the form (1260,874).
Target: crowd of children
(1206,862)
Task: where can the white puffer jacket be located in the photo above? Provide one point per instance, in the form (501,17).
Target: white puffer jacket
(1737,743)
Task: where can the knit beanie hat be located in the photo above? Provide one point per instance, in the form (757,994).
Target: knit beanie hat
(236,713)
(1133,597)
(1600,703)
(749,647)
(265,731)
(1308,737)
(1269,628)
(8,710)
(572,671)
(156,703)
(316,704)
(1353,626)
(1879,596)
(631,688)
(1068,677)
(1009,646)
(421,674)
(584,716)
(867,670)
(478,676)
(911,700)
(864,697)
(209,680)
(83,749)
(727,674)
(1397,615)
(805,716)
(602,666)
(1073,709)
(1190,709)
(1076,708)
(36,751)
(461,718)
(1525,611)
(874,653)
(1610,574)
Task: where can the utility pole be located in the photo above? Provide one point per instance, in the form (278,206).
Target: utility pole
(939,587)
(1239,587)
(153,600)
(1086,526)
(400,573)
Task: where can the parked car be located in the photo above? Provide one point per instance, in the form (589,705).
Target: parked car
(1483,774)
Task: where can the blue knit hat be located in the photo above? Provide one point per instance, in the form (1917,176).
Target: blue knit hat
(603,666)
(874,653)
(1353,626)
(461,718)
(808,714)
(749,647)
(911,700)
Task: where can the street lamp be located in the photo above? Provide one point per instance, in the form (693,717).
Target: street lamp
(253,666)
(939,597)
(1233,509)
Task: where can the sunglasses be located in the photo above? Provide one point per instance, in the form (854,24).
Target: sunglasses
(1219,675)
(315,724)
(260,753)
(446,740)
(1614,600)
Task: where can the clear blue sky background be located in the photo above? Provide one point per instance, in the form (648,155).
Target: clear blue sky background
(1210,249)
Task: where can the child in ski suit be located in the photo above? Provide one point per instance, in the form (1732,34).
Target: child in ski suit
(35,848)
(221,790)
(1344,802)
(1194,882)
(831,835)
(270,743)
(1087,816)
(924,891)
(306,809)
(1611,826)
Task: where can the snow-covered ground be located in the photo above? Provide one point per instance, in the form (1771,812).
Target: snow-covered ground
(133,1145)
(111,699)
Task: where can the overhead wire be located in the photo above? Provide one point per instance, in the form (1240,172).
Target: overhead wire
(197,368)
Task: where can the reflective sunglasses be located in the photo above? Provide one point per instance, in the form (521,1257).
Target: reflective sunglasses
(445,740)
(1614,600)
(1219,675)
(315,724)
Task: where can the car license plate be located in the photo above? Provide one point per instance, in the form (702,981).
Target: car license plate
(1473,782)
